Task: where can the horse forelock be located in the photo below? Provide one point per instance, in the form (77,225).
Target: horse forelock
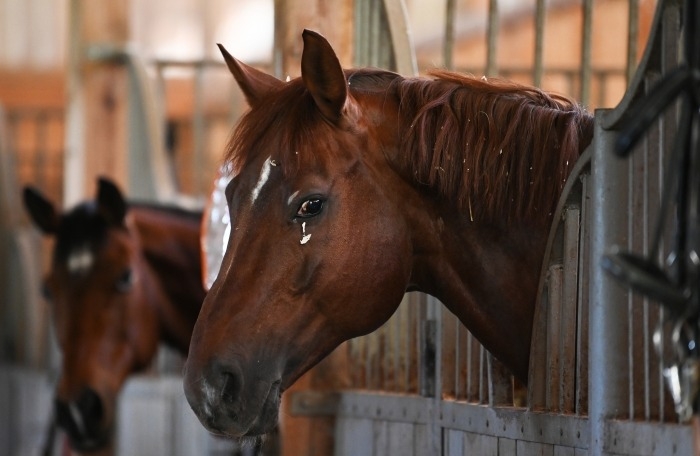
(498,149)
(288,127)
(81,232)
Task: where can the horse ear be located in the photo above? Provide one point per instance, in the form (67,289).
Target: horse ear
(41,211)
(254,83)
(323,76)
(110,202)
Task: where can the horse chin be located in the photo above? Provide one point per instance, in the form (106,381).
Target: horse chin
(90,444)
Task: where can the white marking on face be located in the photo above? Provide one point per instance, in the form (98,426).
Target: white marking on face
(210,396)
(304,237)
(80,260)
(77,417)
(264,175)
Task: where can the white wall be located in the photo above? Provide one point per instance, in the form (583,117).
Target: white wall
(33,34)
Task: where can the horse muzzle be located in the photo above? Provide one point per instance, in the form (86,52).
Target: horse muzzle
(231,404)
(82,419)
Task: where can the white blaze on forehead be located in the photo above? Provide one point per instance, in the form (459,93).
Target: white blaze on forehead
(264,175)
(80,260)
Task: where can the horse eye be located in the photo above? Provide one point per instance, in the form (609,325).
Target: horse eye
(125,281)
(310,207)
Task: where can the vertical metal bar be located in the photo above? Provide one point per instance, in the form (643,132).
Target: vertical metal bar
(492,39)
(470,368)
(632,38)
(555,275)
(401,53)
(198,133)
(448,43)
(567,349)
(631,301)
(645,333)
(538,67)
(582,313)
(278,64)
(429,356)
(607,329)
(41,146)
(457,357)
(74,156)
(483,376)
(586,46)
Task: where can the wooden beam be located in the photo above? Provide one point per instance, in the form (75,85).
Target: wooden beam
(332,19)
(96,139)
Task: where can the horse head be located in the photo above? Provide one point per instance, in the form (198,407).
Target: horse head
(318,252)
(98,293)
(351,187)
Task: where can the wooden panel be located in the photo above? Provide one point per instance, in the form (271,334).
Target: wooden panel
(334,21)
(354,437)
(507,447)
(380,438)
(453,443)
(400,438)
(32,90)
(564,451)
(480,444)
(421,439)
(534,449)
(639,438)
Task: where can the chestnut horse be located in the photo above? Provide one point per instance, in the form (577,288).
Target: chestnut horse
(354,186)
(122,279)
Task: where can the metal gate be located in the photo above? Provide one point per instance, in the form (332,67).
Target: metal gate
(425,386)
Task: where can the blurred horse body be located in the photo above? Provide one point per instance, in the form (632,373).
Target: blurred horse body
(123,278)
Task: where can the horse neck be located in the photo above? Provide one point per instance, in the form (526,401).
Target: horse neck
(486,274)
(478,254)
(171,255)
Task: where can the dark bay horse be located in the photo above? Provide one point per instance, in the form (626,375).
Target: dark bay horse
(122,279)
(354,186)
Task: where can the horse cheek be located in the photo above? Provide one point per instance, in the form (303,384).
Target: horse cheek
(376,277)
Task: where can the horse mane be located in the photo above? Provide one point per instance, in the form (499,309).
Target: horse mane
(498,149)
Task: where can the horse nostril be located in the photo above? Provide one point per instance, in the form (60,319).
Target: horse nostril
(90,404)
(231,387)
(81,418)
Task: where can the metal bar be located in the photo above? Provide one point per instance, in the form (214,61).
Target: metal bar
(402,45)
(582,315)
(492,39)
(449,41)
(607,329)
(567,343)
(538,66)
(457,358)
(198,136)
(586,46)
(554,311)
(632,38)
